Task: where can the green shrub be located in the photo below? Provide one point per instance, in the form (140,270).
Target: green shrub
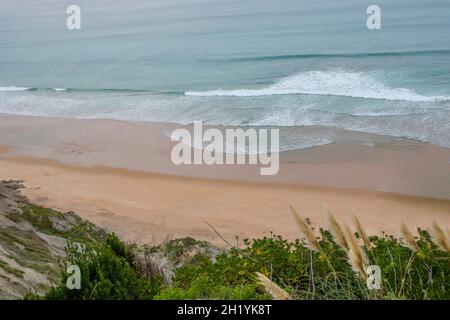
(106,273)
(307,274)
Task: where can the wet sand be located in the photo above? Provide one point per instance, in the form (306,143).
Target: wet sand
(119,175)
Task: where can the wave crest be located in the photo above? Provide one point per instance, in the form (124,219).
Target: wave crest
(331,55)
(332,83)
(12,88)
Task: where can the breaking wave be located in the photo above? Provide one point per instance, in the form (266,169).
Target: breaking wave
(330,83)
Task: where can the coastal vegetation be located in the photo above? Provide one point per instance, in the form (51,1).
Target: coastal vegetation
(329,264)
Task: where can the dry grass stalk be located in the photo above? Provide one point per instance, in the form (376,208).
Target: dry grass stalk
(335,228)
(409,237)
(306,231)
(356,256)
(359,228)
(272,288)
(439,237)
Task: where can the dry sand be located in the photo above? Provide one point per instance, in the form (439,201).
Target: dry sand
(140,201)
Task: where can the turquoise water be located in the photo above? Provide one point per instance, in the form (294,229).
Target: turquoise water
(253,62)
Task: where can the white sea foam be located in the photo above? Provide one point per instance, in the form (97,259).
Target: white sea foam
(427,121)
(335,83)
(12,88)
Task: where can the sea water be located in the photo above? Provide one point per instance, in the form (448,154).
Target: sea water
(283,63)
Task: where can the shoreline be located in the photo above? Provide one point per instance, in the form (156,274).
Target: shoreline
(75,165)
(353,161)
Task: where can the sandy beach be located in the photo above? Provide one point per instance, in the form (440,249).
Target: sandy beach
(119,175)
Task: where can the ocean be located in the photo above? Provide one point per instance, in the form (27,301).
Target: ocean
(283,63)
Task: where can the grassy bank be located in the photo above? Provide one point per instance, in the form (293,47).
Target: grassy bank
(321,264)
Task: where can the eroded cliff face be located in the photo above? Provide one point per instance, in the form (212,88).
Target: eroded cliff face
(32,242)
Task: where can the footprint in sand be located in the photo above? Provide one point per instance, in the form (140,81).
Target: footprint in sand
(74,148)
